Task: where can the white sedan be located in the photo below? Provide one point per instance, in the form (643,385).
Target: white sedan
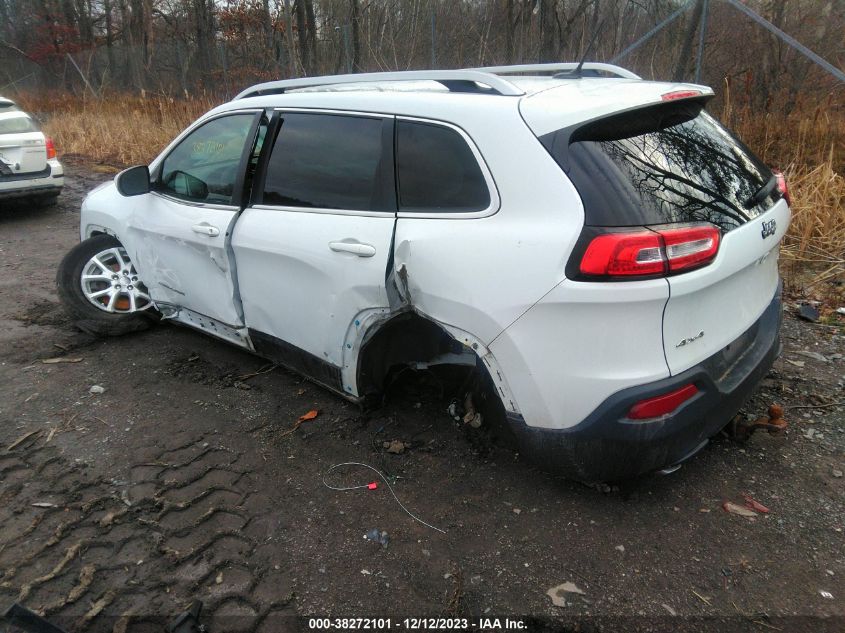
(28,164)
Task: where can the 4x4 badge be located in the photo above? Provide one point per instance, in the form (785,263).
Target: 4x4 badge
(769,228)
(691,339)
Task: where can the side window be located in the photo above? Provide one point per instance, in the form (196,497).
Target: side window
(437,170)
(329,161)
(204,166)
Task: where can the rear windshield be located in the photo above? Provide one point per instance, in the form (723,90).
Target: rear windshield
(688,171)
(17,125)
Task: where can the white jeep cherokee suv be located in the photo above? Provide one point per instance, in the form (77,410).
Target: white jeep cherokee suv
(597,245)
(28,164)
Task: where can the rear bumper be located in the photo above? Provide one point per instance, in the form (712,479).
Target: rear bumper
(607,445)
(48,182)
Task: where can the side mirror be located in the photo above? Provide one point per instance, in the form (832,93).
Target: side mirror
(187,185)
(133,181)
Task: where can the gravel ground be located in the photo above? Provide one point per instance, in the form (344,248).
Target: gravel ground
(181,481)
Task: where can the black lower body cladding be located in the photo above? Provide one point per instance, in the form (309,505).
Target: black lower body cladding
(609,446)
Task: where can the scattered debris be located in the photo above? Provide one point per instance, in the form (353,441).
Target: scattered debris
(620,548)
(188,621)
(814,355)
(825,594)
(669,609)
(43,504)
(372,486)
(396,447)
(62,359)
(376,536)
(702,598)
(735,508)
(23,438)
(754,505)
(808,313)
(219,578)
(303,418)
(471,417)
(797,363)
(741,428)
(558,594)
(840,310)
(517,511)
(836,473)
(96,389)
(266,369)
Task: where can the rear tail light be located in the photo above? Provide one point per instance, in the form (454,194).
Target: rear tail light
(51,148)
(624,254)
(663,404)
(647,252)
(690,247)
(782,186)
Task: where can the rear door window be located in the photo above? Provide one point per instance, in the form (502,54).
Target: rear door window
(693,171)
(329,161)
(437,171)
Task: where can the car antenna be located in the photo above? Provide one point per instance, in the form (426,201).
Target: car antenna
(577,71)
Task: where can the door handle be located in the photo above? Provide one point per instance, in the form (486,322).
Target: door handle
(203,228)
(356,248)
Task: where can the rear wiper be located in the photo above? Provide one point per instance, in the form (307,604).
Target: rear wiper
(762,193)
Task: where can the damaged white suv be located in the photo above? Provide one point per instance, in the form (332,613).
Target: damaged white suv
(599,247)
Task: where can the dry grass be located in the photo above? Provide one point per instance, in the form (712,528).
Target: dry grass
(119,129)
(807,143)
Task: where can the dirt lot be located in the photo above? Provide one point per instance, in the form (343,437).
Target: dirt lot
(180,481)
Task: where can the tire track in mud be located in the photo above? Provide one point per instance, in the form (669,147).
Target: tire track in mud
(128,555)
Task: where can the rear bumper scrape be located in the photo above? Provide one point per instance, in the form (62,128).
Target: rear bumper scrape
(607,445)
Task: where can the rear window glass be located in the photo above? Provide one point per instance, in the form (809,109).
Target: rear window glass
(695,171)
(330,162)
(17,125)
(437,170)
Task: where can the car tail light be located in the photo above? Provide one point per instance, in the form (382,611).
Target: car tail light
(648,252)
(51,148)
(782,186)
(681,94)
(690,247)
(663,404)
(624,254)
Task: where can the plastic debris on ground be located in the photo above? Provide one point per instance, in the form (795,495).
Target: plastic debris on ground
(808,313)
(735,508)
(396,447)
(377,536)
(558,594)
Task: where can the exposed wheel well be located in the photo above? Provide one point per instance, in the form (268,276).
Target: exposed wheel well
(407,339)
(412,340)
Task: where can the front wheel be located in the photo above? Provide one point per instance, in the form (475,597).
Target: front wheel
(101,290)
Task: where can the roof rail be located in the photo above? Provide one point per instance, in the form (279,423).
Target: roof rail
(558,68)
(454,80)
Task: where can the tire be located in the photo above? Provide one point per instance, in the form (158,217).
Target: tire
(113,317)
